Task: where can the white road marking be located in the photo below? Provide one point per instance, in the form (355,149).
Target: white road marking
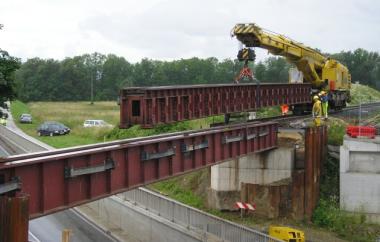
(35,239)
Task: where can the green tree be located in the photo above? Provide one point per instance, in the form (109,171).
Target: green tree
(8,66)
(363,65)
(117,72)
(260,71)
(73,82)
(277,70)
(71,78)
(94,62)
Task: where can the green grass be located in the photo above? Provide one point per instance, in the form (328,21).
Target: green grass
(179,193)
(72,114)
(363,94)
(19,108)
(269,112)
(336,129)
(328,215)
(352,227)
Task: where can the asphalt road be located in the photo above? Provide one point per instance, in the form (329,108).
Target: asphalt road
(3,152)
(49,228)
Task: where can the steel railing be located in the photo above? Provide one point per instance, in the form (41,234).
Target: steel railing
(193,218)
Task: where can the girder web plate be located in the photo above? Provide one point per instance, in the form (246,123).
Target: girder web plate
(64,178)
(149,106)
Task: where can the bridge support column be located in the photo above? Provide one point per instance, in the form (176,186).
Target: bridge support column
(282,182)
(14,218)
(264,168)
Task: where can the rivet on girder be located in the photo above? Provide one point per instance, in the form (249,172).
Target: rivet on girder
(151,156)
(251,136)
(108,164)
(230,139)
(13,185)
(187,148)
(264,133)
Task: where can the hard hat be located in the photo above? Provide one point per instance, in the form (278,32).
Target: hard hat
(323,92)
(315,97)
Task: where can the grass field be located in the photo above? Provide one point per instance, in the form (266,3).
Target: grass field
(72,114)
(363,94)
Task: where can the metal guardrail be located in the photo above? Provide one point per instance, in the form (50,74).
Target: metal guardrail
(194,218)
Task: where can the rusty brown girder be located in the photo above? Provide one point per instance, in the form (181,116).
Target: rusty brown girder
(59,179)
(14,218)
(149,106)
(315,154)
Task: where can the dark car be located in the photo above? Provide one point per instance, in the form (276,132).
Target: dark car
(26,118)
(51,128)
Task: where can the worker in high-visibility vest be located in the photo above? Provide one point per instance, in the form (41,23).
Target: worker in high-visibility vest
(324,103)
(317,111)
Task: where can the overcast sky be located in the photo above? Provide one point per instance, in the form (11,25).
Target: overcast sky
(174,29)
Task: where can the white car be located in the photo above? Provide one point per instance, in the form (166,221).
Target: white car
(96,123)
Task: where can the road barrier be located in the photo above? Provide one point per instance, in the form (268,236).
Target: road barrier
(194,218)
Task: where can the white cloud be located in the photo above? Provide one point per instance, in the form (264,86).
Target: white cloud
(179,29)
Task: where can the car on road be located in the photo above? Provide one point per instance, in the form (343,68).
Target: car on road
(26,118)
(96,123)
(51,128)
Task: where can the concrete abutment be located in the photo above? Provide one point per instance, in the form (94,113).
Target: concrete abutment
(282,182)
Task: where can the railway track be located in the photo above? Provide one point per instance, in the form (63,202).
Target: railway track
(285,119)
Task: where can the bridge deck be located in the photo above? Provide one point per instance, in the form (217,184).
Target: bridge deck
(59,179)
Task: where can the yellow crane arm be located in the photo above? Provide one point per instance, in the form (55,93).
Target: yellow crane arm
(310,61)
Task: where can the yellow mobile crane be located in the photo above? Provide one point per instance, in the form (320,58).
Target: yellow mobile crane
(322,72)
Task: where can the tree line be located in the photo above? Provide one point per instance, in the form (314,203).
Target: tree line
(70,79)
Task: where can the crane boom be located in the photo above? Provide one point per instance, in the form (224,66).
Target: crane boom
(322,72)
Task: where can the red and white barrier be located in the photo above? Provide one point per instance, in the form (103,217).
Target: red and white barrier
(245,206)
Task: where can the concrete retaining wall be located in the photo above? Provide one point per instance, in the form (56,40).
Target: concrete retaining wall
(263,168)
(131,223)
(360,177)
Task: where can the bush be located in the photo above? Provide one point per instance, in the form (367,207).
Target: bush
(137,131)
(349,226)
(336,131)
(174,190)
(328,214)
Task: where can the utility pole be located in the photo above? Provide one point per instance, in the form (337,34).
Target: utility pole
(360,110)
(92,89)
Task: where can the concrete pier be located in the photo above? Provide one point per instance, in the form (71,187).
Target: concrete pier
(360,176)
(282,182)
(262,169)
